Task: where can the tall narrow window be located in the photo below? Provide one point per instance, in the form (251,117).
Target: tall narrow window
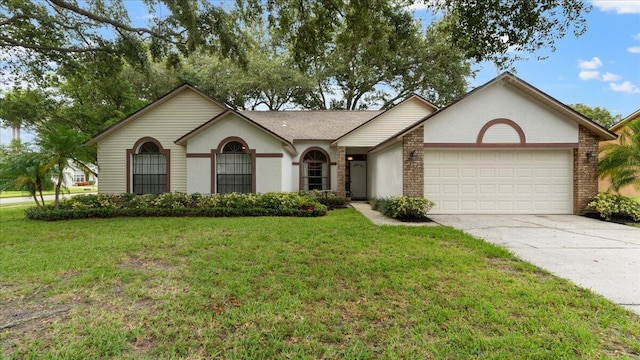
(234,169)
(315,171)
(149,170)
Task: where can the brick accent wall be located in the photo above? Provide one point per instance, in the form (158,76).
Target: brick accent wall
(341,164)
(585,172)
(413,166)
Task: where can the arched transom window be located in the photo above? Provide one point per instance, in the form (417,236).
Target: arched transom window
(234,168)
(315,171)
(149,169)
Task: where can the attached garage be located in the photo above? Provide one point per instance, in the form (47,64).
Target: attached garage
(499,181)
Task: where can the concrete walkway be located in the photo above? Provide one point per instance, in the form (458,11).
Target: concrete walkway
(377,218)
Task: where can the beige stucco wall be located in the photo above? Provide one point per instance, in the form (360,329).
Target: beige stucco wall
(166,123)
(384,172)
(388,124)
(199,179)
(232,125)
(269,170)
(463,122)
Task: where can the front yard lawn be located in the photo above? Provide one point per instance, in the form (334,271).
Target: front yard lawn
(329,287)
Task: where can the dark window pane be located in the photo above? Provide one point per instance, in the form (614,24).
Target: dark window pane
(149,173)
(234,169)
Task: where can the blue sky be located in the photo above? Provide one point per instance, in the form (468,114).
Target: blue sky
(600,68)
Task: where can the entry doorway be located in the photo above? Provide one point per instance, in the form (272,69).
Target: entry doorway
(358,179)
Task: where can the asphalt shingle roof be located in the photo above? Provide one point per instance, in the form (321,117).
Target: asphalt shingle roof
(311,124)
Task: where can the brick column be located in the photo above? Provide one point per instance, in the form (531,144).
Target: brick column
(413,163)
(585,172)
(341,162)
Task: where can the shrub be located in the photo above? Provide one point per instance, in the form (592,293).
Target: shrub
(179,204)
(404,208)
(328,198)
(609,204)
(377,204)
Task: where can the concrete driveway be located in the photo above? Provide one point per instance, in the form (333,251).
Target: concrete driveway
(597,255)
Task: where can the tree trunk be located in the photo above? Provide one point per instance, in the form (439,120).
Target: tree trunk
(35,198)
(58,185)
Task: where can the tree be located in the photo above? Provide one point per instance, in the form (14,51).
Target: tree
(621,161)
(269,79)
(60,145)
(26,170)
(600,115)
(368,56)
(487,30)
(40,32)
(482,30)
(23,107)
(95,92)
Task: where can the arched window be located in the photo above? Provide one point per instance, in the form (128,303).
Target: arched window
(315,170)
(234,166)
(149,169)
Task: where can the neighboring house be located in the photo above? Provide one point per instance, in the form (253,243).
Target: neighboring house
(505,147)
(74,174)
(603,184)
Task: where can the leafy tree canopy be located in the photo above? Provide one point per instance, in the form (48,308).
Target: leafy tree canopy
(39,32)
(481,29)
(600,115)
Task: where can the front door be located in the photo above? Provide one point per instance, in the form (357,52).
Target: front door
(358,176)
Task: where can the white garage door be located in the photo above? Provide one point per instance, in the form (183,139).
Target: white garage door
(499,181)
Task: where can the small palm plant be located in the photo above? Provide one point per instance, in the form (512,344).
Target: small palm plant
(621,162)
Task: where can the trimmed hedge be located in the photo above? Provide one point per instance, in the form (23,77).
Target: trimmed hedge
(405,208)
(180,204)
(327,198)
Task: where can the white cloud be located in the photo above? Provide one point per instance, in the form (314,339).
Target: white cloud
(625,87)
(610,77)
(589,75)
(634,49)
(589,64)
(619,6)
(637,36)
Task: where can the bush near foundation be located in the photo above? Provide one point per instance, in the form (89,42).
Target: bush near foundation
(180,204)
(327,198)
(405,208)
(609,205)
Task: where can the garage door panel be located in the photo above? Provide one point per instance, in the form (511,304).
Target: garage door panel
(499,181)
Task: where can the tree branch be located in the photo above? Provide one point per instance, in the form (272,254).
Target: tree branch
(5,41)
(106,20)
(12,19)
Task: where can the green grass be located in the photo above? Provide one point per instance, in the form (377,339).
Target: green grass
(329,287)
(69,190)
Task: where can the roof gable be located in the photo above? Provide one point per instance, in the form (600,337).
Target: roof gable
(229,112)
(413,98)
(150,107)
(625,121)
(532,92)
